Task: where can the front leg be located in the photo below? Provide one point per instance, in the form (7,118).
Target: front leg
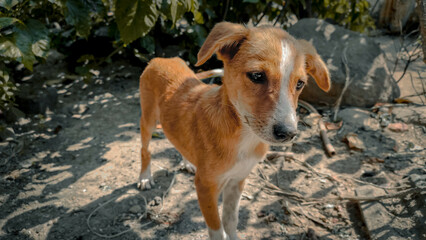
(231,202)
(208,193)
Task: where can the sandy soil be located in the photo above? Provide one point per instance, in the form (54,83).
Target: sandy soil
(77,166)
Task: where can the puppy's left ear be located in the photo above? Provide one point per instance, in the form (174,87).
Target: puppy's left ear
(315,66)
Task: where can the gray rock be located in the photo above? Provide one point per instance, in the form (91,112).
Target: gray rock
(358,118)
(371,80)
(411,114)
(135,209)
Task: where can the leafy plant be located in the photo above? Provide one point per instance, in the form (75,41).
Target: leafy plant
(27,26)
(7,91)
(139,28)
(352,14)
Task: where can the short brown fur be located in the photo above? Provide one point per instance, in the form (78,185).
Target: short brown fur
(201,120)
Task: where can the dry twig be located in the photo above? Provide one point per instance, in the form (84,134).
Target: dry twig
(323,130)
(332,178)
(414,88)
(307,201)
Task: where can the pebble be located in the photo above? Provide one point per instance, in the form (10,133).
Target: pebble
(135,209)
(155,202)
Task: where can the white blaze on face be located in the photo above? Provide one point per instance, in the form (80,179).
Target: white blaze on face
(284,111)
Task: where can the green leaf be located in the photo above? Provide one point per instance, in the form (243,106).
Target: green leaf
(251,1)
(135,18)
(7,21)
(4,75)
(148,43)
(18,48)
(23,41)
(77,14)
(27,41)
(340,9)
(8,4)
(40,37)
(198,17)
(175,9)
(94,5)
(9,49)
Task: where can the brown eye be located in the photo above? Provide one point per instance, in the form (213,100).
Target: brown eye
(257,77)
(300,85)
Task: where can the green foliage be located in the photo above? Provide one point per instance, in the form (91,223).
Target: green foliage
(353,14)
(143,28)
(135,18)
(7,91)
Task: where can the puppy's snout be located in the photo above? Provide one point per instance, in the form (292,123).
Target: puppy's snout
(282,132)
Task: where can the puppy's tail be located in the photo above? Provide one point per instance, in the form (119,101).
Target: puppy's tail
(210,73)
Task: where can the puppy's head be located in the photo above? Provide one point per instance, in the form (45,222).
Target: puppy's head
(265,72)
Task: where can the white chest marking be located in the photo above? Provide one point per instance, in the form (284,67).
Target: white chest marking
(247,158)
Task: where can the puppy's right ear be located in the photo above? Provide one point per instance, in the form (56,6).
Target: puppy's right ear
(224,40)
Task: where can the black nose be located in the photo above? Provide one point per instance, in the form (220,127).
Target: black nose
(281,132)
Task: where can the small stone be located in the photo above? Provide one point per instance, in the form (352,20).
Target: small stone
(398,127)
(261,214)
(135,209)
(359,118)
(329,205)
(354,142)
(157,200)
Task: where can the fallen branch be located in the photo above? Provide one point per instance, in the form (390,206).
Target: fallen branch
(323,130)
(308,201)
(325,175)
(399,194)
(166,192)
(312,218)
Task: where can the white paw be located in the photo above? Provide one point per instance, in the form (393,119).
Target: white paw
(188,166)
(217,234)
(145,183)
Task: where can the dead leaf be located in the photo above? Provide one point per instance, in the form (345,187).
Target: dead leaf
(379,104)
(402,100)
(374,160)
(333,126)
(354,142)
(398,127)
(312,119)
(157,135)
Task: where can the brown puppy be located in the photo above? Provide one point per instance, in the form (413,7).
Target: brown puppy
(224,131)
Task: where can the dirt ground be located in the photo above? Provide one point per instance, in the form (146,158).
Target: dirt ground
(72,173)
